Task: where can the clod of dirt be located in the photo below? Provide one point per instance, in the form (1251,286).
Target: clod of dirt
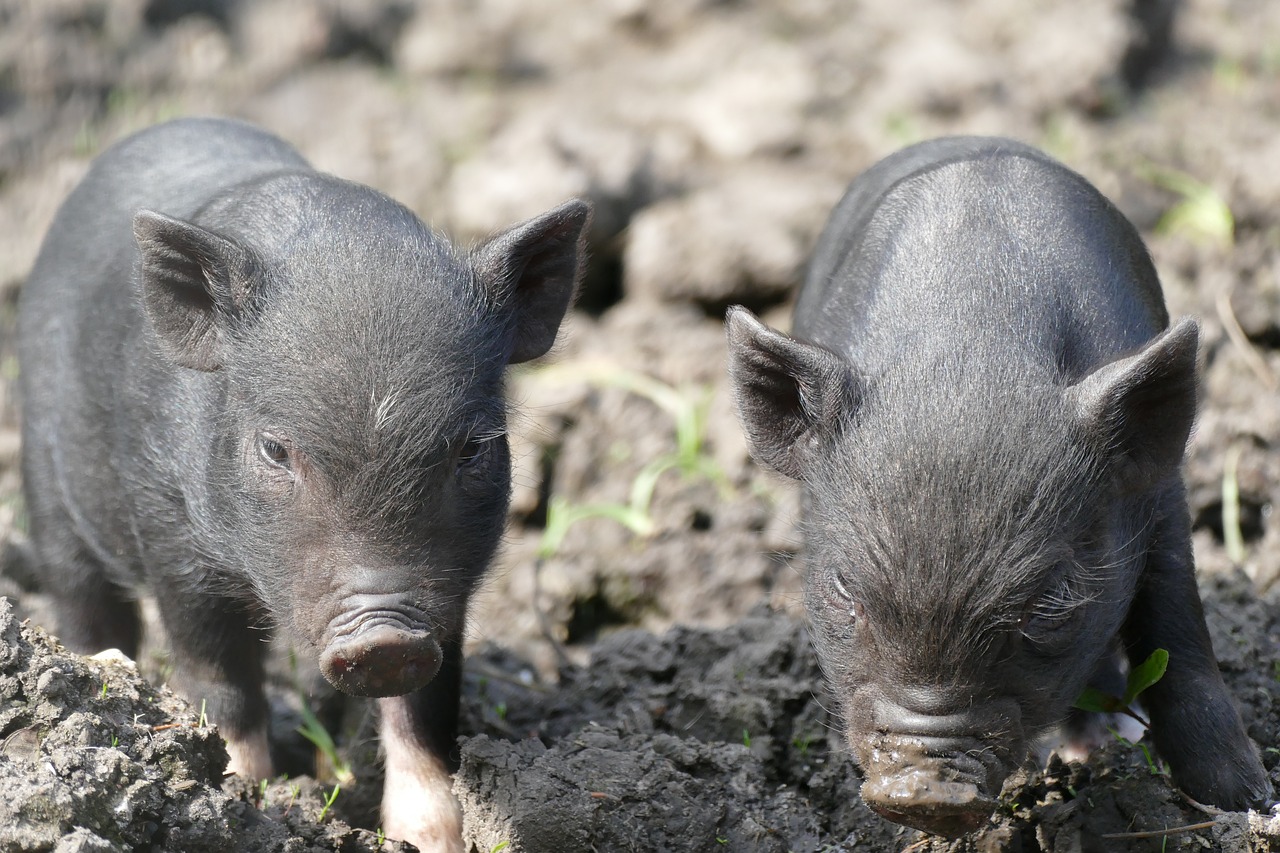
(695,741)
(93,758)
(705,740)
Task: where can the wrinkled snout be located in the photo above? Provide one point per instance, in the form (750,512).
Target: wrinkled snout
(938,773)
(380,651)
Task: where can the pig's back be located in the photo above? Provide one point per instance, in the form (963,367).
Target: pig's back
(978,247)
(87,366)
(173,168)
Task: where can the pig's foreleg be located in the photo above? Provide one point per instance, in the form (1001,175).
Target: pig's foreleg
(1194,722)
(419,733)
(217,657)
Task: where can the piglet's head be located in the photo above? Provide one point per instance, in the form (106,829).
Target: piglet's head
(358,478)
(974,534)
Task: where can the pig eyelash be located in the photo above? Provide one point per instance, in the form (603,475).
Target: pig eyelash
(274,452)
(474,447)
(846,597)
(1057,606)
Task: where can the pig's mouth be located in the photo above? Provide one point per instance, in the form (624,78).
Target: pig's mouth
(945,786)
(381,650)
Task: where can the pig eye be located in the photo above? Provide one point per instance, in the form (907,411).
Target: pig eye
(846,598)
(472,452)
(273,452)
(1052,623)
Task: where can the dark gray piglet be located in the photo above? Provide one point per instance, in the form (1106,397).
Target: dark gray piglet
(988,410)
(268,396)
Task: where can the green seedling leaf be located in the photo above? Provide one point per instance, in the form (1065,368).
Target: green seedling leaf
(1232,537)
(328,801)
(1092,699)
(1146,674)
(1141,677)
(561,515)
(1200,215)
(313,730)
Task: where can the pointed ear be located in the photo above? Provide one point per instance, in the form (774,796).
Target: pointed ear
(193,283)
(788,393)
(1140,408)
(535,268)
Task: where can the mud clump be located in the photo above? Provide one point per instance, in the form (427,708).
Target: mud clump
(696,740)
(94,758)
(704,740)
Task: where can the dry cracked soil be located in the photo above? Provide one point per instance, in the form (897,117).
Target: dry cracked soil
(649,685)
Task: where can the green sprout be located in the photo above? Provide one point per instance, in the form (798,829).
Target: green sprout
(561,515)
(328,801)
(380,836)
(1200,215)
(115,741)
(102,694)
(501,710)
(1155,769)
(294,790)
(1140,678)
(746,738)
(687,411)
(499,847)
(802,743)
(1232,537)
(204,720)
(313,730)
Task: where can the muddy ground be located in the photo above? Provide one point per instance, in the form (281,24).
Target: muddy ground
(650,687)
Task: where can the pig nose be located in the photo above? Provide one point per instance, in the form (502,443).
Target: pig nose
(942,785)
(919,799)
(934,770)
(381,660)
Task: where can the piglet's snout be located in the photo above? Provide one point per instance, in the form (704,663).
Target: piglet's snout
(940,773)
(935,784)
(380,651)
(920,798)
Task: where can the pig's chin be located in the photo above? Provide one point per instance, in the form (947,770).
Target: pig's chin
(933,784)
(381,659)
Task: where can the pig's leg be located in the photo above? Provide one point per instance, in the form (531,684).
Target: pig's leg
(1196,727)
(419,734)
(92,612)
(218,661)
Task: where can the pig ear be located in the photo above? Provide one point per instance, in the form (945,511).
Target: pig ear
(1140,408)
(190,278)
(535,267)
(787,392)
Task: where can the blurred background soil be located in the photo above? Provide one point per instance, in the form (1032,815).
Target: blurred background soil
(713,137)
